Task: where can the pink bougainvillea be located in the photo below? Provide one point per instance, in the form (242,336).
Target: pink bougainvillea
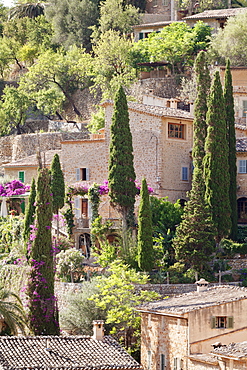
(12,188)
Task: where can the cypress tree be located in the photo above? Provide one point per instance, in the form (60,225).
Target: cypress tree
(57,187)
(216,166)
(121,168)
(30,211)
(145,232)
(194,239)
(43,314)
(231,136)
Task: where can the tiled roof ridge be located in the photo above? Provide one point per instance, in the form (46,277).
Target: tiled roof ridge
(216,12)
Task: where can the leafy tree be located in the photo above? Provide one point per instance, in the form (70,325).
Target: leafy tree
(72,21)
(117,16)
(29,10)
(12,311)
(194,239)
(57,187)
(13,110)
(121,175)
(231,136)
(43,314)
(145,232)
(230,42)
(177,44)
(70,265)
(80,311)
(112,63)
(216,159)
(97,120)
(193,6)
(30,211)
(118,297)
(54,78)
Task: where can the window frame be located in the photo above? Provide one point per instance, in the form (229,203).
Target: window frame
(222,322)
(242,166)
(21,174)
(82,174)
(162,361)
(176,131)
(185,174)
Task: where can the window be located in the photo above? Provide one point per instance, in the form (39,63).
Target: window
(176,130)
(84,207)
(21,176)
(141,35)
(222,322)
(244,108)
(175,363)
(162,361)
(242,168)
(184,173)
(149,359)
(82,174)
(242,210)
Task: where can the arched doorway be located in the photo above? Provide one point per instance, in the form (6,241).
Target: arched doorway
(85,244)
(242,210)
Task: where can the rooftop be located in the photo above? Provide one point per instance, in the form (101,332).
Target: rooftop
(31,160)
(155,110)
(217,13)
(188,302)
(237,350)
(75,352)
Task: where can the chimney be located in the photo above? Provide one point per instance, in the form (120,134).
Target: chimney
(202,285)
(98,329)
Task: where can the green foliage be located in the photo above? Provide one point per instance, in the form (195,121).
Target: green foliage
(13,110)
(194,239)
(97,121)
(68,213)
(216,158)
(117,295)
(29,211)
(11,229)
(117,16)
(12,311)
(55,76)
(121,175)
(231,247)
(112,63)
(145,233)
(177,44)
(193,5)
(81,311)
(231,137)
(242,233)
(43,315)
(72,20)
(57,184)
(230,42)
(70,265)
(29,10)
(94,198)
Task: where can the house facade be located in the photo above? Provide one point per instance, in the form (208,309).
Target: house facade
(179,332)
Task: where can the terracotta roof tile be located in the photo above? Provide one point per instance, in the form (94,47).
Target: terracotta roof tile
(192,301)
(75,352)
(241,144)
(218,13)
(236,350)
(31,160)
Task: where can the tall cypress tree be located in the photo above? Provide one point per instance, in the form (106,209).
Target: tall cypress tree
(216,166)
(43,314)
(121,168)
(194,239)
(57,187)
(30,211)
(145,232)
(231,136)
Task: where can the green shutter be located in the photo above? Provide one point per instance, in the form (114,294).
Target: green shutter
(230,322)
(21,175)
(141,35)
(213,322)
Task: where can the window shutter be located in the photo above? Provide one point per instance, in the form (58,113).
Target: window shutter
(230,322)
(242,166)
(244,107)
(181,364)
(175,366)
(21,176)
(162,362)
(184,173)
(78,172)
(87,174)
(77,207)
(213,322)
(140,35)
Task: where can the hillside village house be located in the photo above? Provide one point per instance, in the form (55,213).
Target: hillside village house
(98,352)
(183,332)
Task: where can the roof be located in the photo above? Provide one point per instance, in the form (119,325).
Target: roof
(189,302)
(217,13)
(155,110)
(241,144)
(72,352)
(237,350)
(31,160)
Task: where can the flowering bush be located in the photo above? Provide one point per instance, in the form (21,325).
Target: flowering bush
(14,187)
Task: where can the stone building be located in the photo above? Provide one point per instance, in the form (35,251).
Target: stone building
(181,332)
